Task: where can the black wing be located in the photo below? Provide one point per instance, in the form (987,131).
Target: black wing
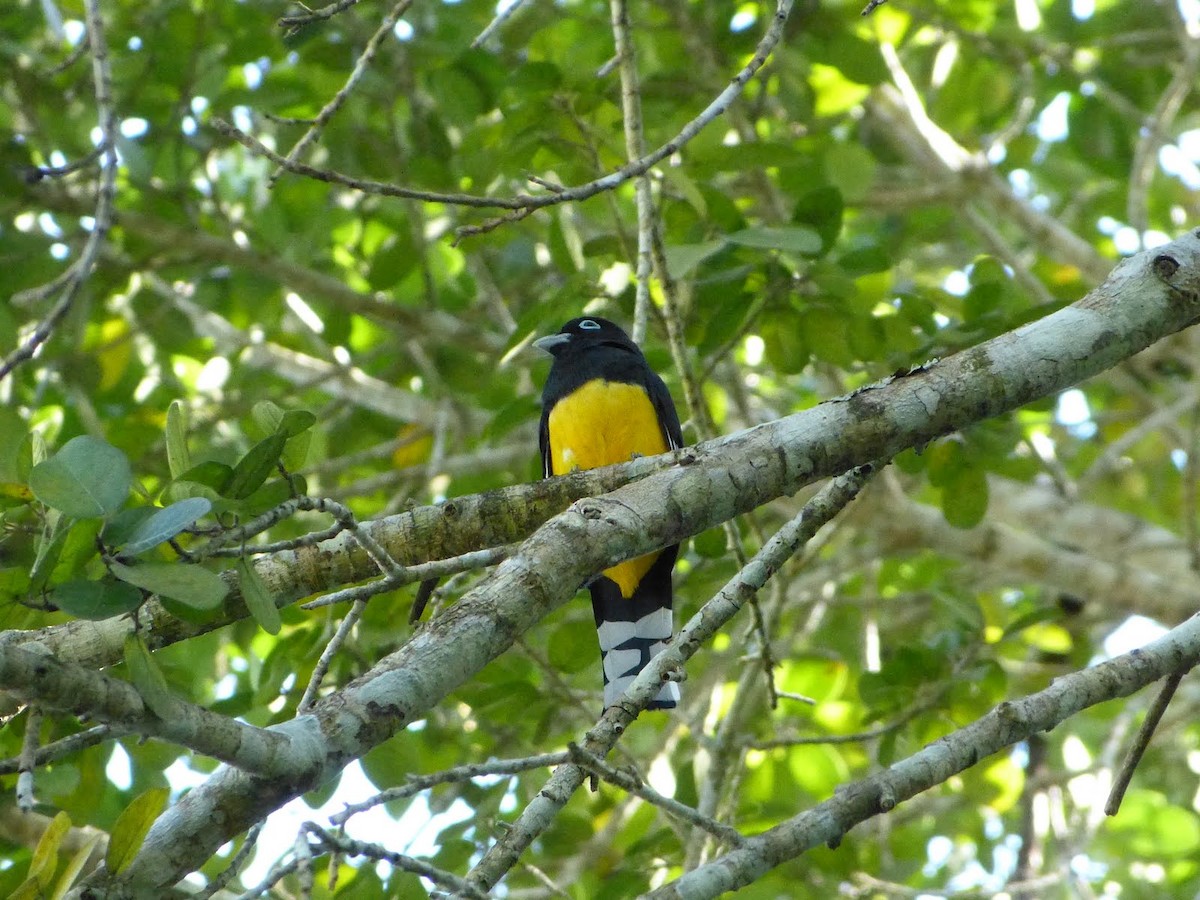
(664,407)
(544,441)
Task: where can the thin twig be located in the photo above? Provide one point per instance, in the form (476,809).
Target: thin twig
(278,872)
(1154,133)
(63,747)
(292,24)
(522,205)
(418,783)
(348,847)
(597,766)
(502,16)
(855,738)
(81,269)
(360,68)
(29,746)
(218,883)
(1141,741)
(37,173)
(438,568)
(635,148)
(327,655)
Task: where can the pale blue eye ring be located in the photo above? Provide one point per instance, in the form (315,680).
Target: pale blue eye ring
(589,325)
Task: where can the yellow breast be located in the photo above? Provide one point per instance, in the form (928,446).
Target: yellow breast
(602,423)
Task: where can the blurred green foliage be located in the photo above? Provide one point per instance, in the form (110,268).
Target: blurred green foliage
(247,337)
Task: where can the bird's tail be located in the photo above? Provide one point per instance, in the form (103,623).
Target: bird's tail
(635,629)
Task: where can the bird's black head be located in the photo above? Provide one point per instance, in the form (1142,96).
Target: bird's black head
(584,333)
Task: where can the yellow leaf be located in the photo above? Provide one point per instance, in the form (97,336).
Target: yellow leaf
(131,828)
(45,856)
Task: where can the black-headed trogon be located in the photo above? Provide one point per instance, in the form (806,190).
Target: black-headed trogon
(603,404)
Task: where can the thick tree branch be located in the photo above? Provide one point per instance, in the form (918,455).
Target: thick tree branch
(541,811)
(54,684)
(438,532)
(1146,298)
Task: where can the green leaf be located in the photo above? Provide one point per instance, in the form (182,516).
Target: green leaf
(87,478)
(573,646)
(392,762)
(13,442)
(258,597)
(267,414)
(296,422)
(206,480)
(1035,616)
(965,498)
(818,768)
(45,855)
(75,866)
(165,524)
(793,239)
(121,527)
(270,495)
(191,585)
(78,549)
(148,678)
(253,468)
(32,452)
(682,259)
(96,600)
(711,544)
(49,549)
(211,474)
(178,457)
(131,828)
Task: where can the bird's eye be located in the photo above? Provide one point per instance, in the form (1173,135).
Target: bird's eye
(589,325)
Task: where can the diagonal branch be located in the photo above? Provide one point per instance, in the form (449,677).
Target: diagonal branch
(360,68)
(1008,723)
(541,811)
(81,269)
(523,204)
(54,684)
(1146,298)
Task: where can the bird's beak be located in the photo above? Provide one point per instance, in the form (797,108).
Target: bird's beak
(550,341)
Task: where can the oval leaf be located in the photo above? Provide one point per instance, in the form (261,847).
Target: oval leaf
(267,415)
(131,828)
(965,499)
(45,856)
(165,524)
(75,866)
(253,468)
(190,585)
(178,457)
(258,597)
(148,678)
(87,478)
(296,421)
(795,239)
(96,600)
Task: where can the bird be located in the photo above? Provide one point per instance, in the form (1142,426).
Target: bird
(603,404)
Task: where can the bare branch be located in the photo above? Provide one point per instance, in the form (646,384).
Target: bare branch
(81,269)
(292,24)
(360,68)
(522,205)
(1008,723)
